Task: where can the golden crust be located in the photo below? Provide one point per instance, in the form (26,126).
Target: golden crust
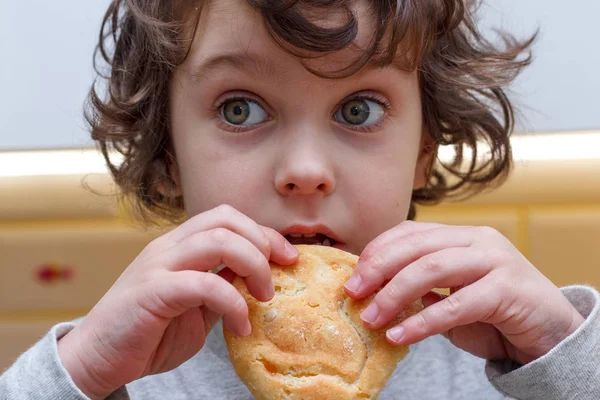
(308,342)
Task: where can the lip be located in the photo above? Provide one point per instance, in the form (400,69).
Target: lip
(308,229)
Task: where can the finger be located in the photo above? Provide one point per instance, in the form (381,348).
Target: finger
(371,272)
(183,290)
(467,306)
(445,268)
(392,235)
(282,251)
(228,217)
(211,317)
(204,251)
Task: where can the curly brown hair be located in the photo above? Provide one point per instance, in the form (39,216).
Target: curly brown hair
(462,77)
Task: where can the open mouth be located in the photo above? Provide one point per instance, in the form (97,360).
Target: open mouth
(310,238)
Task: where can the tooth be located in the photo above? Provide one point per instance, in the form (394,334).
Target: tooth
(326,242)
(309,235)
(295,235)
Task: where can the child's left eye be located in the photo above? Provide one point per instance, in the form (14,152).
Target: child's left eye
(360,112)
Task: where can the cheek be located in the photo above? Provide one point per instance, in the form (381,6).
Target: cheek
(218,177)
(384,201)
(381,190)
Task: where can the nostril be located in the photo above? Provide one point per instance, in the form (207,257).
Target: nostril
(321,186)
(290,186)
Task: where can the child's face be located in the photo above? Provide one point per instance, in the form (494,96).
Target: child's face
(288,148)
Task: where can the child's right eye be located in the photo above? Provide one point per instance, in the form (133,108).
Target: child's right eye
(243,112)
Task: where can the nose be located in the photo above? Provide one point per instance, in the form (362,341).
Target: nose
(304,169)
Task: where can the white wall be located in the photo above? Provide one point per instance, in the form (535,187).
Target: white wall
(46,50)
(560,91)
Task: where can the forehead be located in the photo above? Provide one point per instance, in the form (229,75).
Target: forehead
(232,33)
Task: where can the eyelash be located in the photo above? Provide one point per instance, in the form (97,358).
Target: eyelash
(241,129)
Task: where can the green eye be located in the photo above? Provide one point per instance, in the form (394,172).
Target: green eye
(236,112)
(356,112)
(243,112)
(360,112)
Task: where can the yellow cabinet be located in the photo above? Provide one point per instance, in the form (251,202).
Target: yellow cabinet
(565,244)
(64,267)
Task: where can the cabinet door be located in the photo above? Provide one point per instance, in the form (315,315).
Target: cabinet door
(565,244)
(64,268)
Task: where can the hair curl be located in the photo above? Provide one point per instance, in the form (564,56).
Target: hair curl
(462,78)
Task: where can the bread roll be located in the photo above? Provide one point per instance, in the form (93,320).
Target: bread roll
(308,342)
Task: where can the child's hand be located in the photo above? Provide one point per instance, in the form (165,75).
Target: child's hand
(500,306)
(158,313)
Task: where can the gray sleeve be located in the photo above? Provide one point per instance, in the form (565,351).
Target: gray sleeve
(39,374)
(571,370)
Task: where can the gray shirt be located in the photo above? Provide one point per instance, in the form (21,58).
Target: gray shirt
(434,369)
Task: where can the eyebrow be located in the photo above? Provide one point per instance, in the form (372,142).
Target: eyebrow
(247,63)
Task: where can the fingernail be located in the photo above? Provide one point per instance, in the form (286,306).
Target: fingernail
(247,329)
(395,334)
(370,314)
(354,283)
(290,249)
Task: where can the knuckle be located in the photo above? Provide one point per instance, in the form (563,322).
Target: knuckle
(260,262)
(503,285)
(483,255)
(266,243)
(419,322)
(363,259)
(219,236)
(494,256)
(432,263)
(203,285)
(372,248)
(255,266)
(417,239)
(376,266)
(226,210)
(452,306)
(488,232)
(392,293)
(153,277)
(407,225)
(239,307)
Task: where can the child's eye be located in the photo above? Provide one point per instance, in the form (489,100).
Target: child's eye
(243,112)
(360,112)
